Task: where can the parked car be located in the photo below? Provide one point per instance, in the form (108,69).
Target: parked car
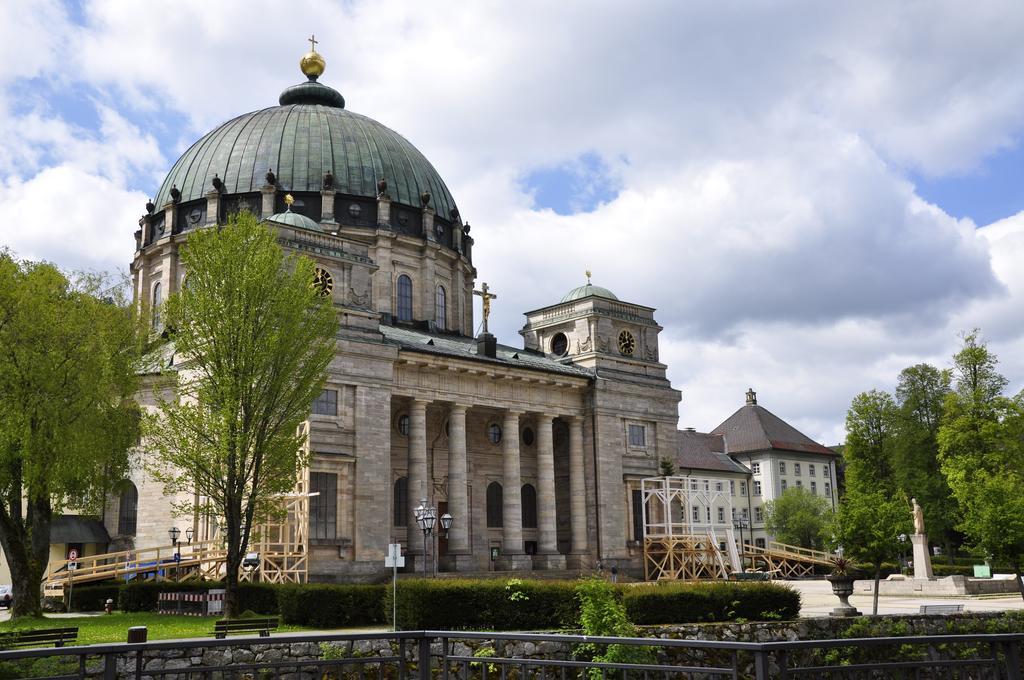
(6,595)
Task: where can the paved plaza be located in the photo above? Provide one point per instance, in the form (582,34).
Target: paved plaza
(817,600)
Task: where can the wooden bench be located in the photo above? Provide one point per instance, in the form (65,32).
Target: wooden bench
(225,627)
(941,608)
(57,637)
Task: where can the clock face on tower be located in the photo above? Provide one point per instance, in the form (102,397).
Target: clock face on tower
(627,343)
(323,282)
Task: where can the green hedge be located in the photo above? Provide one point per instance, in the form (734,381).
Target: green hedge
(91,598)
(331,606)
(464,604)
(668,603)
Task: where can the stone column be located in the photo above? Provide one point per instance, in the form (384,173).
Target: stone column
(922,558)
(327,210)
(458,492)
(269,192)
(419,484)
(513,556)
(212,206)
(577,490)
(547,544)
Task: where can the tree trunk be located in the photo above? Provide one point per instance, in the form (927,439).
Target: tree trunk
(878,578)
(28,557)
(1020,584)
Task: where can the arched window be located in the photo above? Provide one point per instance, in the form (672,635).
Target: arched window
(128,509)
(494,509)
(441,308)
(404,295)
(157,300)
(401,502)
(529,499)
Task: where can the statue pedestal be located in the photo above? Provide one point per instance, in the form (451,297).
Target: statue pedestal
(922,558)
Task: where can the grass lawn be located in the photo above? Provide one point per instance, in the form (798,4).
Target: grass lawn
(114,627)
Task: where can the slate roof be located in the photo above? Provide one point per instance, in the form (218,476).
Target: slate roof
(75,529)
(704,451)
(755,428)
(461,347)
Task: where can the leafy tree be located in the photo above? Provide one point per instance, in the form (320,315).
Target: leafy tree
(255,338)
(981,444)
(920,394)
(871,428)
(68,351)
(867,525)
(602,614)
(798,517)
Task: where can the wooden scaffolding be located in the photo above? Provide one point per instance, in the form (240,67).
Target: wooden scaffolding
(688,528)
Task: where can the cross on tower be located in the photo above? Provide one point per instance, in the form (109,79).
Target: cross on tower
(312,43)
(487,297)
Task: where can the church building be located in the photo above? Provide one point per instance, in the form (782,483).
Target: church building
(536,452)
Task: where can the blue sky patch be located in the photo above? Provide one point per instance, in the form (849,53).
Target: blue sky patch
(576,186)
(986,195)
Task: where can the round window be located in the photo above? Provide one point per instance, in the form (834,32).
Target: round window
(403,425)
(494,433)
(559,344)
(527,437)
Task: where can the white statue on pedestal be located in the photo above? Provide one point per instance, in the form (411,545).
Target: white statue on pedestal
(922,557)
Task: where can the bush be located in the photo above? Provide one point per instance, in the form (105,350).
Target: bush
(463,604)
(92,598)
(260,598)
(331,606)
(667,603)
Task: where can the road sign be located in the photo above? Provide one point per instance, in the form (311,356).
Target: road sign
(72,566)
(73,554)
(177,557)
(394,558)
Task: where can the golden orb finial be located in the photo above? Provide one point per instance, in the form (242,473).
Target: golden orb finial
(312,64)
(288,200)
(588,277)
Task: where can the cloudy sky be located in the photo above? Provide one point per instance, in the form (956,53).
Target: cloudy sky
(813,195)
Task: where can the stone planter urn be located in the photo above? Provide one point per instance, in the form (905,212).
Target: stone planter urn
(842,586)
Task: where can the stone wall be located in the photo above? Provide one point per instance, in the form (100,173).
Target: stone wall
(283,650)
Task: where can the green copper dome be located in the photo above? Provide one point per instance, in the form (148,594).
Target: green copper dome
(307,136)
(586,291)
(293,220)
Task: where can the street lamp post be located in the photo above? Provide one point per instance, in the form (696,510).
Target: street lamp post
(426,516)
(903,554)
(741,524)
(174,533)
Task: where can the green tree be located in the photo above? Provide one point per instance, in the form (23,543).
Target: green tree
(981,446)
(68,354)
(871,429)
(255,337)
(920,394)
(798,517)
(867,525)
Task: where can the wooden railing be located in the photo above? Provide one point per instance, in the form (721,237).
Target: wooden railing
(200,558)
(793,552)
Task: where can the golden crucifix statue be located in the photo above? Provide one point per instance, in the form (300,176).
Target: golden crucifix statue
(487,297)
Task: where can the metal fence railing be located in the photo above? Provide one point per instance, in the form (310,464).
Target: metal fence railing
(454,655)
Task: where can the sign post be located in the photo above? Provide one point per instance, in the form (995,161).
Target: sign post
(394,560)
(72,566)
